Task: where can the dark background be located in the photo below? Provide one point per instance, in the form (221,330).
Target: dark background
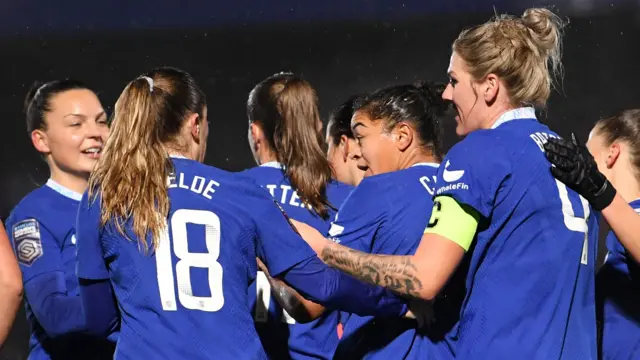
(342,47)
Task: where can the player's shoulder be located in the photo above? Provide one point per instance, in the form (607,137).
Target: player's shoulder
(369,192)
(33,205)
(482,149)
(419,170)
(265,170)
(338,191)
(481,141)
(195,168)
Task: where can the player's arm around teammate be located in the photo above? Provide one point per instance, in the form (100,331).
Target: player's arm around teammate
(576,167)
(496,200)
(342,153)
(286,141)
(10,285)
(613,149)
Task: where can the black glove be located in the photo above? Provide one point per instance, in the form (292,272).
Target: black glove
(575,167)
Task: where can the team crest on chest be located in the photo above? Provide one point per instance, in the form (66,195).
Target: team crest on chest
(26,237)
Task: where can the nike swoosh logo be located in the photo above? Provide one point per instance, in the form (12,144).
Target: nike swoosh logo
(335,230)
(451,176)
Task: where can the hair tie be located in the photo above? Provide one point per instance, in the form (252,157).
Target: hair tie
(150,81)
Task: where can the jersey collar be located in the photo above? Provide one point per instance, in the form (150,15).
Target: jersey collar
(66,192)
(515,114)
(635,204)
(273,164)
(435,165)
(176,156)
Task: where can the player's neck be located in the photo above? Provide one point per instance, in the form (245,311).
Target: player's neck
(264,157)
(70,181)
(494,113)
(417,156)
(627,185)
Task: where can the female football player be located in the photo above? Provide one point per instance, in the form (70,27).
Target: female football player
(614,145)
(285,136)
(342,149)
(530,241)
(68,127)
(398,130)
(178,240)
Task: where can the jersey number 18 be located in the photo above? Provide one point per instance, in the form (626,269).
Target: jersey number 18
(178,244)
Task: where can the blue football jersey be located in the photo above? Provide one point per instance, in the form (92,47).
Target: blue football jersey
(282,337)
(385,214)
(188,299)
(42,231)
(530,284)
(618,289)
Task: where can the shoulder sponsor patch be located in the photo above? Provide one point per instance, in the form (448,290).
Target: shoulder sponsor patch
(26,237)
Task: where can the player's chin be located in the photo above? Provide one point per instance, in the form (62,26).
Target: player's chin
(461,130)
(368,172)
(86,162)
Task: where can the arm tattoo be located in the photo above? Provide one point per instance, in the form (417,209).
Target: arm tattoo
(397,273)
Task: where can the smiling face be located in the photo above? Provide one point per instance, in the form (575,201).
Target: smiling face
(461,92)
(75,130)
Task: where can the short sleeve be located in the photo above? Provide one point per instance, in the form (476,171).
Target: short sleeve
(37,250)
(359,217)
(90,263)
(473,171)
(279,245)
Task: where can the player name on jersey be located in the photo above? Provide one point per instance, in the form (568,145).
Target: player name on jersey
(196,184)
(286,195)
(541,138)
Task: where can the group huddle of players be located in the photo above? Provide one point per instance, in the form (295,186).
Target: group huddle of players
(369,243)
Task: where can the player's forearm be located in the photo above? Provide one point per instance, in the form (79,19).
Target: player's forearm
(301,309)
(397,273)
(57,313)
(11,299)
(10,285)
(333,289)
(99,307)
(623,220)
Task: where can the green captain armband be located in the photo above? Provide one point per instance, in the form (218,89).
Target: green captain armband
(455,222)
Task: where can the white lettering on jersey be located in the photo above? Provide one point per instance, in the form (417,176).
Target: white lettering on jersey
(198,184)
(541,138)
(425,181)
(287,195)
